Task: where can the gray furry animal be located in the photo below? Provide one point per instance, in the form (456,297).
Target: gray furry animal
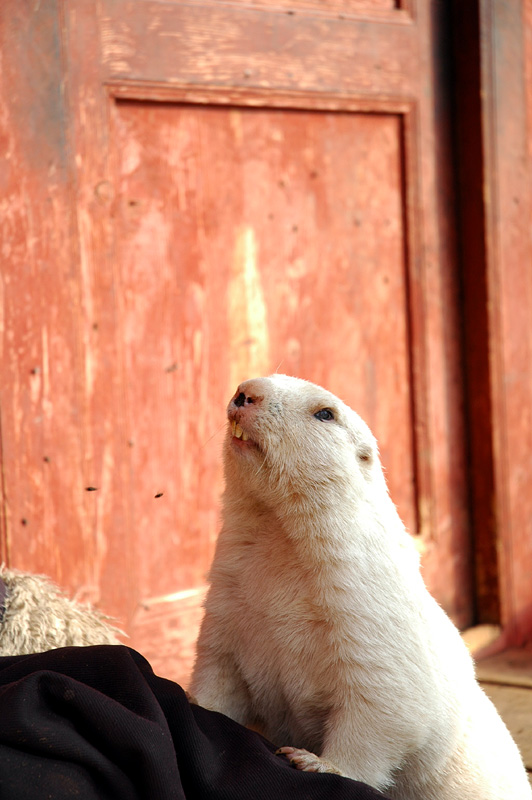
(35,615)
(318,627)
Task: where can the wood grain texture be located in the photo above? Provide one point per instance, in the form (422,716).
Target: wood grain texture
(254,244)
(225,46)
(435,326)
(41,383)
(506,141)
(106,446)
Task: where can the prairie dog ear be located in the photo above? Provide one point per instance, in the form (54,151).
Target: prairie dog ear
(365,453)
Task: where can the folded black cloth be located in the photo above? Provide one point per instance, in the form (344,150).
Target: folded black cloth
(95,723)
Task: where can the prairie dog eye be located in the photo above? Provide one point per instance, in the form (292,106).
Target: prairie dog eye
(324,414)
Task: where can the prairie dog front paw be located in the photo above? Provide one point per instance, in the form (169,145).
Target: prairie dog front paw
(307,762)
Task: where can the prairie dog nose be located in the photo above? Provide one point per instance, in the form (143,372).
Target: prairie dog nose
(247,394)
(240,399)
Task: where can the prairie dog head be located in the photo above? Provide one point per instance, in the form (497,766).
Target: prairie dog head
(290,439)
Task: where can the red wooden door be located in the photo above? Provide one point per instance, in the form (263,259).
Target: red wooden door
(239,188)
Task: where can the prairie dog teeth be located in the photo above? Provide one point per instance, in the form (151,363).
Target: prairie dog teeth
(238,432)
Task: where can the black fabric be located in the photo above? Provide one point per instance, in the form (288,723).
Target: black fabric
(93,723)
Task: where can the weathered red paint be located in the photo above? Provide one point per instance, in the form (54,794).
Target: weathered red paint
(506,62)
(41,364)
(233,190)
(261,262)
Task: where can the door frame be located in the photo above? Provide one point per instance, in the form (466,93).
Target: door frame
(495,212)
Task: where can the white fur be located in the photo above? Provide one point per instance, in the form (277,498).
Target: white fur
(318,627)
(39,616)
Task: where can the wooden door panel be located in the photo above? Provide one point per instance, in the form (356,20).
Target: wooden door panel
(165,45)
(251,240)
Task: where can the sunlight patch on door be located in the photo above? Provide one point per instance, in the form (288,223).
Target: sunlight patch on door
(248,317)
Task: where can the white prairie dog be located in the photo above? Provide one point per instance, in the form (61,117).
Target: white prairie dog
(318,626)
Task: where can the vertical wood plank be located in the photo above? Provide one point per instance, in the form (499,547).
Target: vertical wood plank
(106,445)
(471,223)
(445,547)
(506,140)
(41,383)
